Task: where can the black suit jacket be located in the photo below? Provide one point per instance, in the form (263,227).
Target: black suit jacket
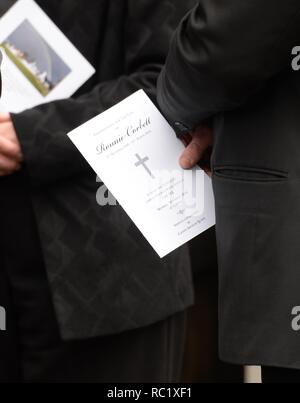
(104,276)
(232,60)
(224,53)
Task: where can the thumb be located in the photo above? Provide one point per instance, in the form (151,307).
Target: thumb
(196,149)
(4,117)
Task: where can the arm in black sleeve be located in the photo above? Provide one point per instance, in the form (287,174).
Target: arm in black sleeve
(48,153)
(223,52)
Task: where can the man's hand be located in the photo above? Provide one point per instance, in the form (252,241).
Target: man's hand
(198,149)
(10,150)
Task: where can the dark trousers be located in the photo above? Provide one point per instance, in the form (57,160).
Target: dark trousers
(280,375)
(201,362)
(31,349)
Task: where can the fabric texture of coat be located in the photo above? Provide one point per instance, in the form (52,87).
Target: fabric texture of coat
(104,276)
(231,60)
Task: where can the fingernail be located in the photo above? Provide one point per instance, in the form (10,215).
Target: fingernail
(186,163)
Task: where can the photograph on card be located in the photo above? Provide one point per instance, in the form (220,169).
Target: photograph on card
(35,59)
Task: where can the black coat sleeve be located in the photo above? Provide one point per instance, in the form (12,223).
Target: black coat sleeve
(223,52)
(49,154)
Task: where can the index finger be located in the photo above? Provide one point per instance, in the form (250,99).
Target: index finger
(10,149)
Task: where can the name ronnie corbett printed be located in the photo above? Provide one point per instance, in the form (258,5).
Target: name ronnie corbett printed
(2,319)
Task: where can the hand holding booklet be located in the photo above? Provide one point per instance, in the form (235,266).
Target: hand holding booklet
(134,150)
(39,63)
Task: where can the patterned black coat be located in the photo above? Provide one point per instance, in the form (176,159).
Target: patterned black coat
(104,276)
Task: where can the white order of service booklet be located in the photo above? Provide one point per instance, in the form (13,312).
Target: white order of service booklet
(135,152)
(39,63)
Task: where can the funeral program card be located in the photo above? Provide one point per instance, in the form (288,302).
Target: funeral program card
(39,63)
(135,152)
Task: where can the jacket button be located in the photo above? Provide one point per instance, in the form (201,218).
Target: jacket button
(181,129)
